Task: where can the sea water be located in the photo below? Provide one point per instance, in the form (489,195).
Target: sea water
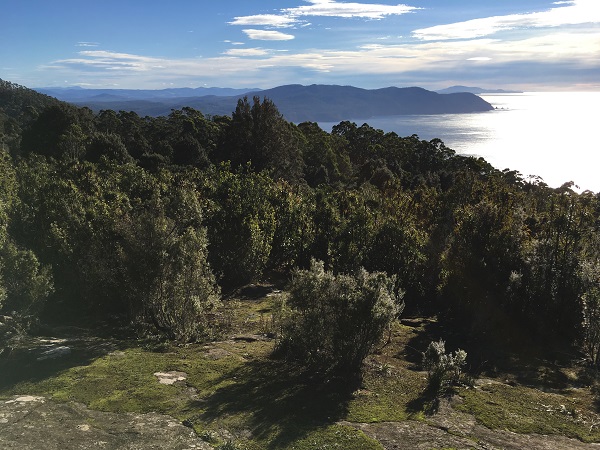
(553,135)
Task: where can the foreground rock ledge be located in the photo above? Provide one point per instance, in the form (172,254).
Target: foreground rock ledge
(411,435)
(32,423)
(449,428)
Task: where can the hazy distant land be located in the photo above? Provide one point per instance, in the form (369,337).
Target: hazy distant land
(297,103)
(475,90)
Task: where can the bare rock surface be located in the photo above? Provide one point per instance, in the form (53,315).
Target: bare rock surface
(449,428)
(170,377)
(32,423)
(411,435)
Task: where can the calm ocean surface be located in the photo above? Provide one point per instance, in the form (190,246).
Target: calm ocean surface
(555,135)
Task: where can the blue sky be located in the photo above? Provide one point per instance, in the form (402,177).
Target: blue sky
(520,44)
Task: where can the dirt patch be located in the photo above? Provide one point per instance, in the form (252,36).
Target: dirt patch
(31,423)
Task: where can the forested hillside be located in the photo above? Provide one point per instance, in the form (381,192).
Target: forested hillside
(150,221)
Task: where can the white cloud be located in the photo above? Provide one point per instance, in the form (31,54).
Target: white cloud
(271,20)
(578,12)
(573,50)
(267,35)
(332,8)
(246,52)
(323,8)
(88,44)
(105,60)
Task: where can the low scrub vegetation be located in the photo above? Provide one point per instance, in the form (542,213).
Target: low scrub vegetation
(444,370)
(336,320)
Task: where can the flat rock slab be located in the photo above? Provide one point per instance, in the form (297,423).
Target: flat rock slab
(33,423)
(171,377)
(449,428)
(412,435)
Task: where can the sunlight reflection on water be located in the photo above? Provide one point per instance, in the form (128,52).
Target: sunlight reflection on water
(550,134)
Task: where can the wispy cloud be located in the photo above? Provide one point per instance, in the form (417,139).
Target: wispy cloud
(88,44)
(578,12)
(289,17)
(573,52)
(268,35)
(271,20)
(575,49)
(332,8)
(246,52)
(105,60)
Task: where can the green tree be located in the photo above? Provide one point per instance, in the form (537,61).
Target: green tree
(59,131)
(241,224)
(294,233)
(483,259)
(168,281)
(259,134)
(108,145)
(24,282)
(552,286)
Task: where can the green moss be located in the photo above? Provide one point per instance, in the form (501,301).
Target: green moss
(122,383)
(238,389)
(267,404)
(388,398)
(334,437)
(525,410)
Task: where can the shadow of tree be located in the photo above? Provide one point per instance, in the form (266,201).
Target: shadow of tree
(520,360)
(282,402)
(24,359)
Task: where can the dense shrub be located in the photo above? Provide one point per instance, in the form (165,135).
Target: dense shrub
(590,275)
(336,320)
(27,284)
(241,224)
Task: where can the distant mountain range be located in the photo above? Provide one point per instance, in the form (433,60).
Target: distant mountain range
(475,90)
(78,94)
(297,103)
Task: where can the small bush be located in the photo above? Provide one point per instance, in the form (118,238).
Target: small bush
(229,445)
(443,370)
(336,320)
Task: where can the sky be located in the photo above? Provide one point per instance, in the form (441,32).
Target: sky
(532,45)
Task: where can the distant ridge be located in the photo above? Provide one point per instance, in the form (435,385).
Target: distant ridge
(297,103)
(77,93)
(475,90)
